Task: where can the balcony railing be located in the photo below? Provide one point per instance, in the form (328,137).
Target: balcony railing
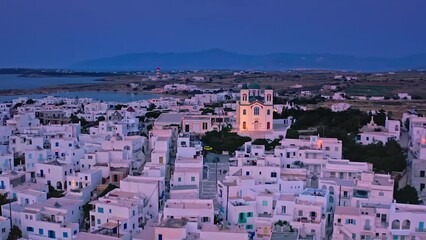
(420,229)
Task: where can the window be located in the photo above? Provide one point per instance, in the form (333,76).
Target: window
(350,221)
(244,125)
(381,194)
(56,144)
(250,214)
(98,221)
(300,213)
(264,203)
(30,229)
(247,173)
(244,97)
(100,210)
(244,112)
(283,209)
(51,234)
(204,219)
(179,179)
(268,125)
(192,179)
(249,226)
(422,186)
(422,173)
(269,97)
(268,112)
(273,174)
(125,226)
(110,210)
(65,234)
(204,125)
(256,111)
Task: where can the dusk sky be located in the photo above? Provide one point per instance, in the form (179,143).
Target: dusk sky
(52,33)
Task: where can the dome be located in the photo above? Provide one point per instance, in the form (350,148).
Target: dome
(268,87)
(254,86)
(244,86)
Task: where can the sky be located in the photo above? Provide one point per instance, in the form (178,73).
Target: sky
(52,33)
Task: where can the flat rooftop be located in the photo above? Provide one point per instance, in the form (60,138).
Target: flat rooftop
(184,187)
(173,223)
(170,118)
(190,204)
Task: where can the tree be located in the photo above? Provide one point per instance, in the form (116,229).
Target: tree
(407,194)
(269,144)
(154,114)
(3,201)
(74,119)
(118,107)
(30,101)
(292,134)
(101,118)
(224,141)
(15,233)
(151,107)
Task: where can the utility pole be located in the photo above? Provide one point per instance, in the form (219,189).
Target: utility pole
(216,160)
(227,199)
(340,192)
(118,228)
(10,212)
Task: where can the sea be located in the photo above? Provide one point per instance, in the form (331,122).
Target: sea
(9,81)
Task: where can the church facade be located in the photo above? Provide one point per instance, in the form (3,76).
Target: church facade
(255,109)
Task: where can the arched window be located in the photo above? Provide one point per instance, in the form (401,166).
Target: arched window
(396,128)
(395,224)
(268,112)
(406,224)
(244,112)
(256,111)
(268,97)
(244,97)
(244,125)
(268,125)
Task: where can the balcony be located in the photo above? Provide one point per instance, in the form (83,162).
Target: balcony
(265,215)
(360,194)
(39,175)
(421,230)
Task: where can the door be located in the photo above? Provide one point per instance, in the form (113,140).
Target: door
(256,125)
(421,226)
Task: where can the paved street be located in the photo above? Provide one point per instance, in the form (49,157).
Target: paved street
(208,184)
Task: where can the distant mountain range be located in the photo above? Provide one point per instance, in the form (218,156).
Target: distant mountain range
(225,60)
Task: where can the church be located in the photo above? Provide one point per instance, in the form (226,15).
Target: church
(255,109)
